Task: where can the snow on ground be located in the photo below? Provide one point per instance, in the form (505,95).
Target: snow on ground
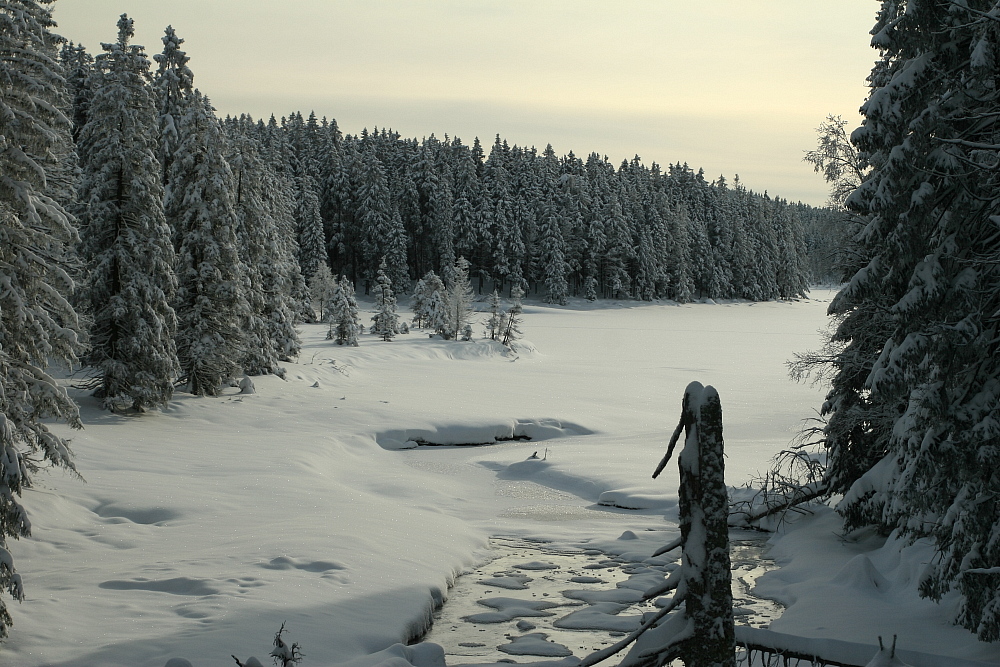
(200,529)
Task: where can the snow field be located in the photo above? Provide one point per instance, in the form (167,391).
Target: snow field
(200,529)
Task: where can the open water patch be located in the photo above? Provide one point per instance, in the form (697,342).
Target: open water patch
(539,600)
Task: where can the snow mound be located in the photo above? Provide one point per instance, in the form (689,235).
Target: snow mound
(861,574)
(425,654)
(601,616)
(479,434)
(535,644)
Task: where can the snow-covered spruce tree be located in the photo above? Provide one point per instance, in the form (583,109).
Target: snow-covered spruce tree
(914,428)
(37,324)
(211,305)
(419,303)
(269,331)
(385,322)
(174,86)
(322,287)
(382,233)
(459,299)
(77,66)
(312,240)
(344,321)
(422,292)
(125,238)
(438,318)
(512,323)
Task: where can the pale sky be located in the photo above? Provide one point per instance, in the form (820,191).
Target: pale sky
(733,86)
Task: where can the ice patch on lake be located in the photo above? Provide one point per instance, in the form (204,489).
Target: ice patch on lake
(564,604)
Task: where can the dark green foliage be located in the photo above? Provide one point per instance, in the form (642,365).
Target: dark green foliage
(914,426)
(38,326)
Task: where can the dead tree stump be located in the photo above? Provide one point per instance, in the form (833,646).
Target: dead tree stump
(704,517)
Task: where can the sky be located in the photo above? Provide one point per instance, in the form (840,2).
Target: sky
(731,86)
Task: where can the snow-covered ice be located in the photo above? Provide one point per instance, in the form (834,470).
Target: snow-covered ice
(316,500)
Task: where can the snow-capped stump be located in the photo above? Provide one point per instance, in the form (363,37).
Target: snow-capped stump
(535,644)
(247,386)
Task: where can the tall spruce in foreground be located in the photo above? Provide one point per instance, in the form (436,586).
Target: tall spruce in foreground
(269,263)
(37,323)
(914,427)
(211,304)
(125,238)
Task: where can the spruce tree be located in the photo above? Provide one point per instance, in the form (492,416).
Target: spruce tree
(269,332)
(211,304)
(312,240)
(126,241)
(425,287)
(77,66)
(322,287)
(913,433)
(438,315)
(38,326)
(174,86)
(385,322)
(344,321)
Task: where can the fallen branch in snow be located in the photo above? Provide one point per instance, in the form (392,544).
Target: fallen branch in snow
(797,477)
(798,496)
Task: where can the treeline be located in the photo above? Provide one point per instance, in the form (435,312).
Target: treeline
(558,226)
(561,226)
